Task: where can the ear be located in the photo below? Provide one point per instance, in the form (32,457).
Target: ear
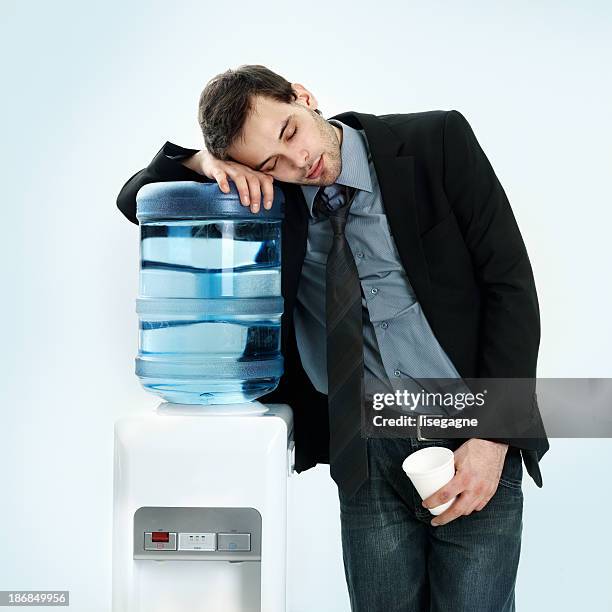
(304,97)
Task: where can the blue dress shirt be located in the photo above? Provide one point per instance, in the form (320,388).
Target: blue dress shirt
(399,345)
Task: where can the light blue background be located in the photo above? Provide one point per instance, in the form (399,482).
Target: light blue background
(90,91)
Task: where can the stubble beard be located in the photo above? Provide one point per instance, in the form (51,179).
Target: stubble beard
(331,152)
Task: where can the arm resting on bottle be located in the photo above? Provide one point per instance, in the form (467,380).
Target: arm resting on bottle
(169,164)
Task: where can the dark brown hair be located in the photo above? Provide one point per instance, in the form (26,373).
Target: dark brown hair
(226,101)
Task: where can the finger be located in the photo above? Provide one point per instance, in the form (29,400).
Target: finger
(255,193)
(221,178)
(472,506)
(243,189)
(483,503)
(456,509)
(267,186)
(453,487)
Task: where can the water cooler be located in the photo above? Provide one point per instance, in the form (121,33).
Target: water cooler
(200,483)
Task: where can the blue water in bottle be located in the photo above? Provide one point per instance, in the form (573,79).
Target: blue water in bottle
(210,301)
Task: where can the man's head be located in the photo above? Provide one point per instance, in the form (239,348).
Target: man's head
(253,116)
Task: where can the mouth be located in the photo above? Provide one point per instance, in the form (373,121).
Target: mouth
(316,170)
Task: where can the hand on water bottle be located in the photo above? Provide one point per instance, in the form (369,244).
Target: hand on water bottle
(251,184)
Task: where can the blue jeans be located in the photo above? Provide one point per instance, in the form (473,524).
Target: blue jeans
(395,561)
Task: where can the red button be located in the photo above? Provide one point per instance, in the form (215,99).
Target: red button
(160,536)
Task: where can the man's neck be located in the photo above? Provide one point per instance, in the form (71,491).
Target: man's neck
(338,132)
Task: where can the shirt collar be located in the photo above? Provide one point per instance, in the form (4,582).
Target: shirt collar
(355,170)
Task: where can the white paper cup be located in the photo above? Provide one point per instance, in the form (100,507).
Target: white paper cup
(430,469)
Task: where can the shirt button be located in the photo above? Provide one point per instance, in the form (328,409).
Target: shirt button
(373,290)
(359,254)
(384,325)
(396,373)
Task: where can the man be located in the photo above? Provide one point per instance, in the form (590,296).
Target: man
(446,290)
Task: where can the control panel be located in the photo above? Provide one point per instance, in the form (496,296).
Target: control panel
(231,534)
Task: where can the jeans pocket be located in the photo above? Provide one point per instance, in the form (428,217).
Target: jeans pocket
(512,472)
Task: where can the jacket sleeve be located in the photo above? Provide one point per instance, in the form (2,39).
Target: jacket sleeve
(165,166)
(510,325)
(510,320)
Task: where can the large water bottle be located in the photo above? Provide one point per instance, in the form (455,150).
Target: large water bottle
(210,299)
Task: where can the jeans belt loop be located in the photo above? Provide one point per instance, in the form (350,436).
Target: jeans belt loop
(420,437)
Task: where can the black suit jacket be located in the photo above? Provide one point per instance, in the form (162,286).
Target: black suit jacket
(458,242)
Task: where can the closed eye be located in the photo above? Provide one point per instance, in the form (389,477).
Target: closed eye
(288,138)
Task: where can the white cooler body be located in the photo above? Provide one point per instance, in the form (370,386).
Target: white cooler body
(200,509)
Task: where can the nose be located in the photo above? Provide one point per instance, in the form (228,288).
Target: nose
(302,159)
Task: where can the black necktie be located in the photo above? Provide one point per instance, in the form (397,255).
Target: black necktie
(347,449)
